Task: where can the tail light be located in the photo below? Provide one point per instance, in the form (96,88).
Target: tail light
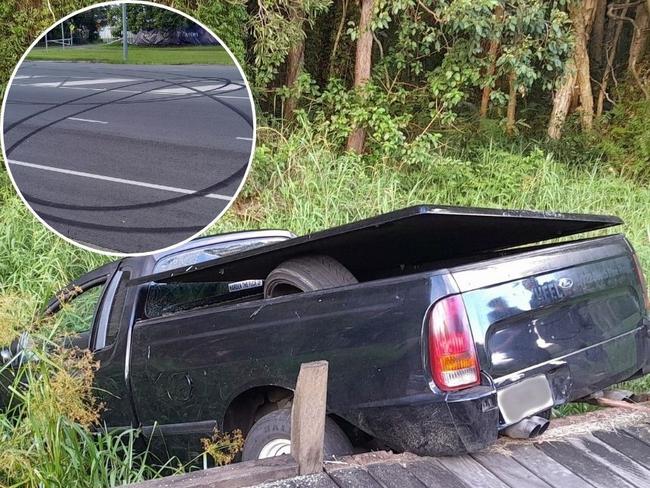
(452,354)
(644,284)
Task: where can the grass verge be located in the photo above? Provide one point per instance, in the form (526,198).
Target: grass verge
(137,54)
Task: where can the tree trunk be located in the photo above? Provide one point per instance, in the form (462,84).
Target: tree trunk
(611,55)
(337,37)
(637,46)
(511,119)
(562,101)
(580,14)
(491,69)
(576,69)
(295,60)
(362,67)
(597,42)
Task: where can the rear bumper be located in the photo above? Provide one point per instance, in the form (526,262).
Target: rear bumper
(460,422)
(469,420)
(592,368)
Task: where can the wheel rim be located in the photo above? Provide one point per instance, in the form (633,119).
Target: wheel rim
(276,447)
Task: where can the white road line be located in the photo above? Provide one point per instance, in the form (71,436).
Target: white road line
(201,88)
(97,81)
(47,84)
(117,180)
(88,120)
(83,88)
(245,138)
(41,85)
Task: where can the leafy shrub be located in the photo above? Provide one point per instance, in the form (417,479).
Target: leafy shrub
(625,139)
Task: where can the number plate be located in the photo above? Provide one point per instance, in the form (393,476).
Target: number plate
(524,398)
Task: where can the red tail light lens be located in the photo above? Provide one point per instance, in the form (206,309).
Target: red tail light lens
(452,354)
(644,284)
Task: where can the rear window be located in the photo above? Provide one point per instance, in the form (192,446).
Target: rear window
(211,251)
(168,298)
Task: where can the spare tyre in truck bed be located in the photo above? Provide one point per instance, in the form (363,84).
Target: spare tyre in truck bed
(442,327)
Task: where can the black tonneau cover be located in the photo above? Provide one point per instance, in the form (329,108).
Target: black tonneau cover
(409,236)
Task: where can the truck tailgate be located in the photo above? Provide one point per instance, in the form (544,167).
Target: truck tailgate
(574,309)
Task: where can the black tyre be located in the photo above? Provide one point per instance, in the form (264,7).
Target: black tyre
(270,436)
(307,273)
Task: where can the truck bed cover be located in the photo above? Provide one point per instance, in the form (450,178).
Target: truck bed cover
(412,235)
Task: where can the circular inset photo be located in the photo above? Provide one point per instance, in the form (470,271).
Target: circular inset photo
(128,128)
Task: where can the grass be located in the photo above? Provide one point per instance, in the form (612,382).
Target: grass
(137,54)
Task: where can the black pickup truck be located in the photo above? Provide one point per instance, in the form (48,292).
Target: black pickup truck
(443,327)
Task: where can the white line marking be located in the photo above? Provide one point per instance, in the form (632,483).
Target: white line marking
(82,88)
(117,180)
(48,83)
(201,88)
(88,120)
(41,85)
(97,81)
(245,138)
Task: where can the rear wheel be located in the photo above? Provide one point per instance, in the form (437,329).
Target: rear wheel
(307,273)
(270,436)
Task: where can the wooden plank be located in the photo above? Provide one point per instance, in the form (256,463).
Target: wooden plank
(630,471)
(433,474)
(354,478)
(471,472)
(308,417)
(509,471)
(393,475)
(640,432)
(583,465)
(247,473)
(320,480)
(627,444)
(554,473)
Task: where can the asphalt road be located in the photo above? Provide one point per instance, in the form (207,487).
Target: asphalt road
(127,158)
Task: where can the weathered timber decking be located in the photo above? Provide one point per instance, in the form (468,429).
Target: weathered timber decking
(608,449)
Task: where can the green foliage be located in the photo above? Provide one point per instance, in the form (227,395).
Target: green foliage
(624,137)
(277,26)
(430,64)
(227,19)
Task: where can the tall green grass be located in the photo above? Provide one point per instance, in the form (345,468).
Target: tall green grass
(49,436)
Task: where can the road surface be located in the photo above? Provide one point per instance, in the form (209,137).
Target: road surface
(128,158)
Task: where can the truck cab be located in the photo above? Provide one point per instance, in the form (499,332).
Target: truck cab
(100,309)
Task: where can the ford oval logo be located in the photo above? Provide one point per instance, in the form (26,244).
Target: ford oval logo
(565,283)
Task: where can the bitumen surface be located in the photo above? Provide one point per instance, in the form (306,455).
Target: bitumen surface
(127,158)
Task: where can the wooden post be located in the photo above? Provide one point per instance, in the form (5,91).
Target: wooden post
(308,417)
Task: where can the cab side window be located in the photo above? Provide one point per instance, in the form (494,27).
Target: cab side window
(76,315)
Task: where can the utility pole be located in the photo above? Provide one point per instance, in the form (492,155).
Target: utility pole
(125,29)
(62,37)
